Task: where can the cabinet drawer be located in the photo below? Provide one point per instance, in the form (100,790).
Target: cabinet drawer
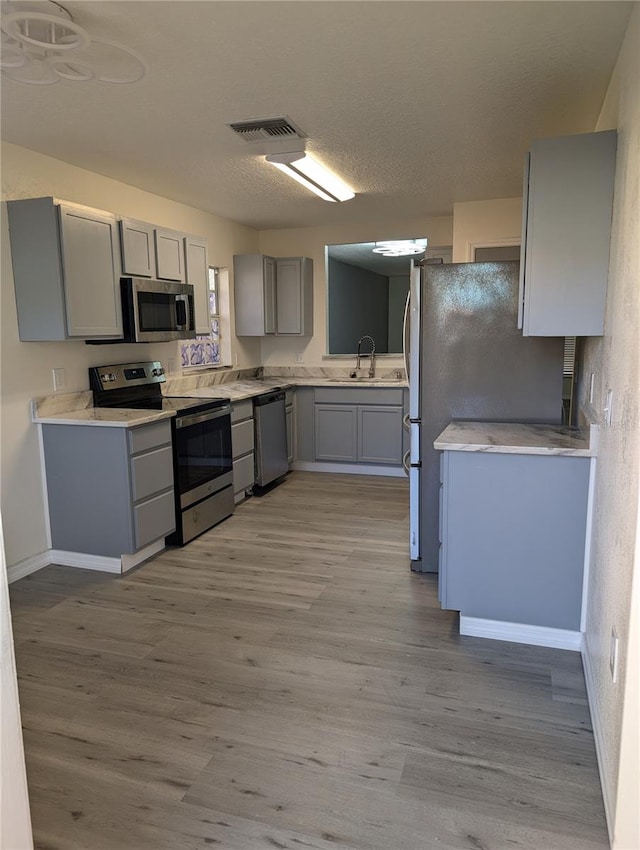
(244,475)
(153,519)
(151,473)
(242,437)
(241,410)
(361,395)
(149,437)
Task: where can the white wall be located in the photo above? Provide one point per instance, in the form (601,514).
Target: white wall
(310,242)
(613,597)
(487,224)
(26,366)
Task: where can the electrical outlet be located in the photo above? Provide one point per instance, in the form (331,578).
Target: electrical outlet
(608,408)
(298,357)
(592,384)
(171,365)
(235,359)
(613,655)
(59,379)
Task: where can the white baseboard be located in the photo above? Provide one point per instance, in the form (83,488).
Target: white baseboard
(348,468)
(28,566)
(598,736)
(85,562)
(521,633)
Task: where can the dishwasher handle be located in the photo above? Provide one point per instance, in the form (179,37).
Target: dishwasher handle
(269,398)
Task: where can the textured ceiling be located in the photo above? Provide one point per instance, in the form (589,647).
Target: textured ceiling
(416,104)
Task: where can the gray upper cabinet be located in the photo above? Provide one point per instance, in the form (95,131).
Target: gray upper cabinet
(294,296)
(273,296)
(197,274)
(170,262)
(66,270)
(137,239)
(568,198)
(254,285)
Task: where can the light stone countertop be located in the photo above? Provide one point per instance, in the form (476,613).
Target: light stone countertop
(105,417)
(514,438)
(250,388)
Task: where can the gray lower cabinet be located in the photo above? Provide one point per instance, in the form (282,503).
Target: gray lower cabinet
(512,531)
(242,442)
(110,490)
(362,425)
(66,270)
(291,429)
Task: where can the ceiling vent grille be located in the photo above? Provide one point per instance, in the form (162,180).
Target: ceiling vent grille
(267,129)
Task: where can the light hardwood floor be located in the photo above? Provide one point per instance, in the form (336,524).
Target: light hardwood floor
(285,681)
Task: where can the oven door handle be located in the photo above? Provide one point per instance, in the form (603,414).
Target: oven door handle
(196,418)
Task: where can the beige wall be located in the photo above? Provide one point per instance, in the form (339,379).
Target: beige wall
(613,597)
(310,242)
(25,367)
(485,223)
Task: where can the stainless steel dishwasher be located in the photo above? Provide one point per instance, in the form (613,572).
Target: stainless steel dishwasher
(271,437)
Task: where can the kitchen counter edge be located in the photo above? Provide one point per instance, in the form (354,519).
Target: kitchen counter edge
(516,438)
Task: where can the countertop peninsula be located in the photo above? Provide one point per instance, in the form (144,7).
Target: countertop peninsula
(515,438)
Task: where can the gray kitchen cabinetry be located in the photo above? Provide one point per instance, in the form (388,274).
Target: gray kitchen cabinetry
(150,251)
(294,296)
(358,426)
(273,295)
(566,228)
(242,443)
(512,531)
(66,270)
(290,414)
(137,239)
(197,274)
(110,490)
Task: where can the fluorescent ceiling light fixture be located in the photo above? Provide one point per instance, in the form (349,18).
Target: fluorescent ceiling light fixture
(309,173)
(399,248)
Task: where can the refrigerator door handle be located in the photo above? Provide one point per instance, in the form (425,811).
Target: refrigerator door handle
(405,462)
(413,321)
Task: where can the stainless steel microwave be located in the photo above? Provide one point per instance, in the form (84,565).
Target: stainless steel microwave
(156,310)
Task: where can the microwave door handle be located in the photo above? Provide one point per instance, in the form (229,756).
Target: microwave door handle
(184,301)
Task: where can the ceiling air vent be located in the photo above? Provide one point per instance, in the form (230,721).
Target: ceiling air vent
(266,129)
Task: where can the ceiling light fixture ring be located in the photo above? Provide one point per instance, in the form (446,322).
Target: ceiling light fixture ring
(71,68)
(64,34)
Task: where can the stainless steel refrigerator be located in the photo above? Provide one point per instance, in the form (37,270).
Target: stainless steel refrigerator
(466,359)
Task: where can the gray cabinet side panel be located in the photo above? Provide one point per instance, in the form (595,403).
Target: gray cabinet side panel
(304,422)
(37,269)
(87,516)
(568,230)
(515,535)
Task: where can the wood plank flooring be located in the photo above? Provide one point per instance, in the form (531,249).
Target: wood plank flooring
(285,681)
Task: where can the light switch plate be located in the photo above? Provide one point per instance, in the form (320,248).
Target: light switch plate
(608,409)
(59,379)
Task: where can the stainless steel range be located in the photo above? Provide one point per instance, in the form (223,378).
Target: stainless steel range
(201,428)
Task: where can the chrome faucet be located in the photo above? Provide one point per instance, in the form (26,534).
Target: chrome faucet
(372,355)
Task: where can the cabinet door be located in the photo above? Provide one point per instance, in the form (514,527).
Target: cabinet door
(270,295)
(89,245)
(336,432)
(138,253)
(380,434)
(568,227)
(170,255)
(289,296)
(197,274)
